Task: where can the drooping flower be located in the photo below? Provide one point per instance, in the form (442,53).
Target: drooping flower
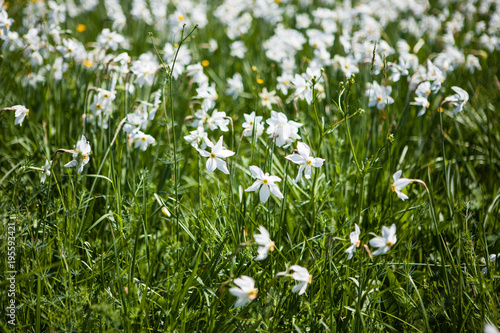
(246,291)
(459,99)
(45,171)
(215,157)
(385,242)
(266,183)
(266,244)
(305,160)
(354,236)
(80,155)
(21,113)
(401,183)
(301,275)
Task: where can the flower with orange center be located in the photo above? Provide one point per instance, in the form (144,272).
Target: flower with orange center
(246,291)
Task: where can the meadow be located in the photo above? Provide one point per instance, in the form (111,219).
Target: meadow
(250,166)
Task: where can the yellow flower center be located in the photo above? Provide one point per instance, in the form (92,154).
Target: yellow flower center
(379,98)
(85,157)
(310,279)
(212,155)
(265,181)
(271,247)
(99,106)
(27,111)
(251,123)
(393,188)
(358,243)
(143,138)
(106,95)
(428,91)
(390,244)
(309,162)
(252,294)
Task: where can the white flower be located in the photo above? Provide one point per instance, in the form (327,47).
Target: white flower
(246,291)
(80,155)
(305,160)
(145,72)
(45,171)
(265,242)
(218,119)
(283,130)
(235,85)
(302,88)
(379,96)
(489,328)
(215,157)
(267,182)
(251,122)
(399,184)
(197,138)
(423,102)
(459,99)
(302,275)
(385,242)
(142,140)
(268,98)
(354,236)
(21,113)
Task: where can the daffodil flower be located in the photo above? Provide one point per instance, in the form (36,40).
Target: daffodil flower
(305,160)
(401,183)
(265,242)
(385,242)
(459,99)
(80,155)
(354,236)
(301,275)
(215,157)
(45,171)
(21,113)
(246,291)
(266,183)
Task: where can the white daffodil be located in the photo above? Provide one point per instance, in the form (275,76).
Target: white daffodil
(282,129)
(379,96)
(459,99)
(401,183)
(305,160)
(246,291)
(301,275)
(197,138)
(215,157)
(252,122)
(142,140)
(385,242)
(45,171)
(21,113)
(80,155)
(354,236)
(302,88)
(265,242)
(267,182)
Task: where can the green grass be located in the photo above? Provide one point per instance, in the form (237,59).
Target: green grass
(95,253)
